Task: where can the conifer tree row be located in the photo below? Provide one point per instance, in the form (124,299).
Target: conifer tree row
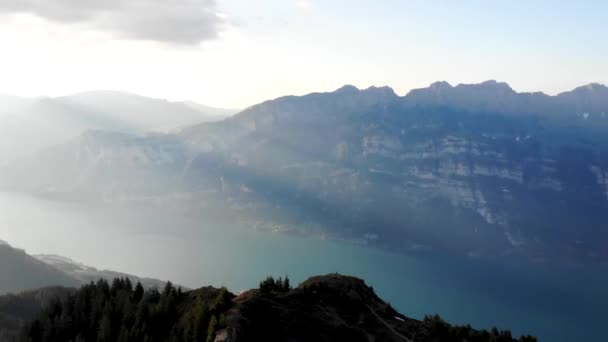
(100,312)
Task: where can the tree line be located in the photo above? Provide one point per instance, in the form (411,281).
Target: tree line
(121,311)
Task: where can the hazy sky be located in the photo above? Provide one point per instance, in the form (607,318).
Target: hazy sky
(234,53)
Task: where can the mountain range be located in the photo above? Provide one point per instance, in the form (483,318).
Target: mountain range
(30,124)
(477,170)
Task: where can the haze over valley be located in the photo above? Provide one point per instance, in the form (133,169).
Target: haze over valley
(443,169)
(303,170)
(29,125)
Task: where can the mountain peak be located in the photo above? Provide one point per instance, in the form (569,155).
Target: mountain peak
(488,95)
(491,85)
(343,284)
(590,88)
(347,89)
(381,91)
(595,86)
(443,87)
(383,88)
(440,85)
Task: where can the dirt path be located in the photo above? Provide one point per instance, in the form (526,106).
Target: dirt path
(388,326)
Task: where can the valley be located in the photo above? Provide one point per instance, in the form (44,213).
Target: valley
(303,170)
(520,295)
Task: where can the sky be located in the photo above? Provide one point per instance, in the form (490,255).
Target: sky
(236,53)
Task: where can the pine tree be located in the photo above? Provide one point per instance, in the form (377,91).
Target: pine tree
(168,289)
(105,327)
(199,321)
(128,285)
(212,328)
(286,284)
(139,292)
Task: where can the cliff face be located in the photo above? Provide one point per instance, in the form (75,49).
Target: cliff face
(472,169)
(479,169)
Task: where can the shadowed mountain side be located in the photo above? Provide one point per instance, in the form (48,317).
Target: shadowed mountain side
(470,169)
(19,271)
(86,274)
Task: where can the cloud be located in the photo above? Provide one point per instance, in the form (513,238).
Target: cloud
(171,21)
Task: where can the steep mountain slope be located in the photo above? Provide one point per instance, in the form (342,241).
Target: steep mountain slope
(19,271)
(472,169)
(324,308)
(86,274)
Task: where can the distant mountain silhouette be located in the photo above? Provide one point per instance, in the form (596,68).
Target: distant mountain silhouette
(86,274)
(20,272)
(28,125)
(499,97)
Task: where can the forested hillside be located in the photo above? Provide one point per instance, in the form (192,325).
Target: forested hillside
(324,308)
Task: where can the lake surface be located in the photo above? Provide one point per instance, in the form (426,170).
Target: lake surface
(566,303)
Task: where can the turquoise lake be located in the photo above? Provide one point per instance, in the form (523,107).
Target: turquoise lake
(555,303)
